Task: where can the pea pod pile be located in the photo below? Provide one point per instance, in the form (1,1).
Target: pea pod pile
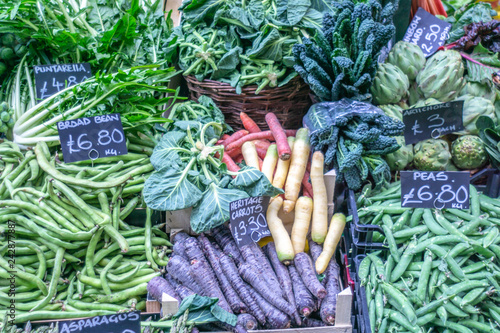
(63,238)
(441,269)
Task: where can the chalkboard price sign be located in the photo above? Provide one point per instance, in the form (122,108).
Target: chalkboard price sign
(435,189)
(427,31)
(129,322)
(50,79)
(432,121)
(248,220)
(92,138)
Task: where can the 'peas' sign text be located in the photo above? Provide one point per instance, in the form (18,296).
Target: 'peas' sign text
(248,220)
(129,322)
(92,138)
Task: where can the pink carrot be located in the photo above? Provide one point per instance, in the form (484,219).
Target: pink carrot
(279,135)
(249,124)
(231,165)
(268,135)
(235,137)
(307,187)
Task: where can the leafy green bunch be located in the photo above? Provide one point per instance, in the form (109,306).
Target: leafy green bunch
(190,172)
(243,42)
(341,59)
(354,140)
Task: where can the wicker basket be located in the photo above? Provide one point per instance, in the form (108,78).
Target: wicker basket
(290,102)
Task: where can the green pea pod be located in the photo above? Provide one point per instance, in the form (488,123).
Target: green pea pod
(483,251)
(393,248)
(389,266)
(402,221)
(471,296)
(442,314)
(490,237)
(379,306)
(454,326)
(423,281)
(433,226)
(411,231)
(478,325)
(425,319)
(383,326)
(398,318)
(416,217)
(406,258)
(399,301)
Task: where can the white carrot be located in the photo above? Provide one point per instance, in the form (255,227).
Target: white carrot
(270,161)
(300,156)
(281,238)
(303,211)
(319,226)
(282,167)
(250,155)
(332,239)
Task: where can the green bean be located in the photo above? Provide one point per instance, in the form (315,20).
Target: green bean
(129,208)
(26,206)
(126,276)
(123,295)
(148,236)
(104,272)
(45,315)
(113,169)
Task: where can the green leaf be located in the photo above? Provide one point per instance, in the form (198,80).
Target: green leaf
(268,45)
(170,189)
(255,183)
(167,149)
(227,64)
(213,210)
(485,56)
(480,12)
(296,10)
(204,309)
(484,122)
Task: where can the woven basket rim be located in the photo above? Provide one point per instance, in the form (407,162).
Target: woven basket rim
(297,80)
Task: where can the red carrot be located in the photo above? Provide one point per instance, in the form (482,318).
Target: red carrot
(233,153)
(252,276)
(225,136)
(263,144)
(279,135)
(231,165)
(239,159)
(268,135)
(305,301)
(235,137)
(249,124)
(307,187)
(305,267)
(262,153)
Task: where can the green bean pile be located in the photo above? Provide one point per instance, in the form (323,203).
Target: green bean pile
(62,232)
(441,272)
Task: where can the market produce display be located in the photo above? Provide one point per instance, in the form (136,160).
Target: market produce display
(440,269)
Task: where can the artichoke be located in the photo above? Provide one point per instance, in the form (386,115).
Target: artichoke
(442,76)
(431,155)
(393,110)
(484,90)
(408,57)
(413,94)
(425,102)
(468,152)
(390,84)
(400,159)
(473,108)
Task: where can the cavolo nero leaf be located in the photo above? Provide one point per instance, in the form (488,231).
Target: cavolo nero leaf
(254,182)
(170,189)
(213,210)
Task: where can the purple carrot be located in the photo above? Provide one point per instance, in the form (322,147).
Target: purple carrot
(235,329)
(180,236)
(275,319)
(283,277)
(231,272)
(305,301)
(329,303)
(224,238)
(250,275)
(311,322)
(180,249)
(183,291)
(304,266)
(247,321)
(173,282)
(235,302)
(193,249)
(268,269)
(158,285)
(202,273)
(179,269)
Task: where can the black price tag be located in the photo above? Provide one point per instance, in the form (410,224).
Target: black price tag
(435,189)
(427,31)
(92,138)
(50,79)
(432,121)
(248,220)
(129,322)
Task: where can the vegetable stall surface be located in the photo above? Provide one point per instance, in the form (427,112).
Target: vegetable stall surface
(440,269)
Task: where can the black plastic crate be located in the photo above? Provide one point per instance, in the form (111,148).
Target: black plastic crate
(492,178)
(362,315)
